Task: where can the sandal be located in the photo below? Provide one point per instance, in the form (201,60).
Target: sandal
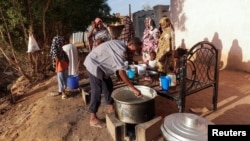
(64,96)
(54,93)
(98,124)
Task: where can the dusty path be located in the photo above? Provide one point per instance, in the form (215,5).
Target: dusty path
(39,117)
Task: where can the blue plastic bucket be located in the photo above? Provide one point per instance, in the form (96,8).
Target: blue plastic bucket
(73,81)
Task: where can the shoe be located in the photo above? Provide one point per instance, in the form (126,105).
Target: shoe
(54,93)
(98,124)
(64,96)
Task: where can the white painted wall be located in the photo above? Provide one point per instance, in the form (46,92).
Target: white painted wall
(225,23)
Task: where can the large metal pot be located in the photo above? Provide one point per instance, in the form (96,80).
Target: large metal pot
(185,127)
(131,109)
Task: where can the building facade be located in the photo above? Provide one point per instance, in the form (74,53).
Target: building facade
(225,24)
(139,17)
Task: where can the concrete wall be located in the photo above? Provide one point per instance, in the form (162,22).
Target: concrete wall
(139,17)
(224,23)
(138,21)
(160,11)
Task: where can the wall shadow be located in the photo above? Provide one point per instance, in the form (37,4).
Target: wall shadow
(234,60)
(177,15)
(183,44)
(216,41)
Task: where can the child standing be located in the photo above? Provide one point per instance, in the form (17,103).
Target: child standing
(60,63)
(152,61)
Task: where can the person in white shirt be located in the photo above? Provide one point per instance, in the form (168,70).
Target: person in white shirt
(103,61)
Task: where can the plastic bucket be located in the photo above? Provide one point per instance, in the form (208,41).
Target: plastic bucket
(165,82)
(73,82)
(131,73)
(173,78)
(141,69)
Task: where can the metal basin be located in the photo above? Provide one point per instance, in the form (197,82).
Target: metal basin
(134,110)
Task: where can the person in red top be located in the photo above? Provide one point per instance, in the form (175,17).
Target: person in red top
(60,63)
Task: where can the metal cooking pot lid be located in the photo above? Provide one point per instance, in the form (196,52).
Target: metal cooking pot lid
(186,126)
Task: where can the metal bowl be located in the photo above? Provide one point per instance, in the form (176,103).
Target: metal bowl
(152,73)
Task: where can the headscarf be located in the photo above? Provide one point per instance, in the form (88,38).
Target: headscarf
(101,34)
(165,22)
(97,20)
(56,47)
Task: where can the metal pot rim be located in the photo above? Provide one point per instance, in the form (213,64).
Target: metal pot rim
(151,94)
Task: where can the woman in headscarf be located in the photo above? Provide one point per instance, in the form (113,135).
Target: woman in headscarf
(60,63)
(150,38)
(98,32)
(166,45)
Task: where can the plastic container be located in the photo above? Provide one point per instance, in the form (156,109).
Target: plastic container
(141,69)
(73,81)
(131,73)
(165,82)
(173,78)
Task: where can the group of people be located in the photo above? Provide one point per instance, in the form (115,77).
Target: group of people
(157,43)
(107,57)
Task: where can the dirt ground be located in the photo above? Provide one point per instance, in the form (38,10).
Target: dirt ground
(38,116)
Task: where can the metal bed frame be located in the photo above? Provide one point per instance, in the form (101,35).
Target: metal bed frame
(198,71)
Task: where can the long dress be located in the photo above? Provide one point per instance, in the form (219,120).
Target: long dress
(165,44)
(150,41)
(72,53)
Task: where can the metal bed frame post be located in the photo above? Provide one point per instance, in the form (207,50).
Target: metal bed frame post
(182,93)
